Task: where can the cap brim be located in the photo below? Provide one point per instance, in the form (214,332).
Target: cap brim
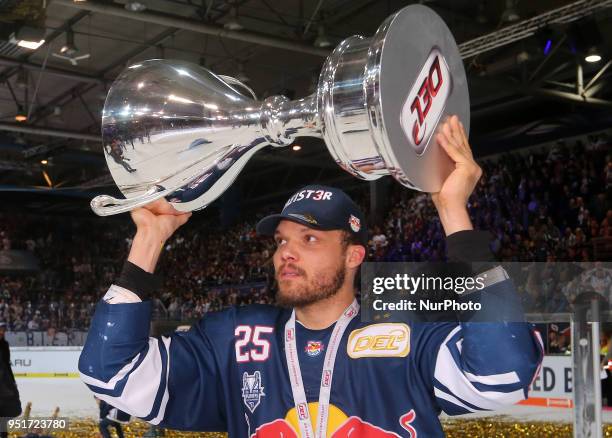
(267,226)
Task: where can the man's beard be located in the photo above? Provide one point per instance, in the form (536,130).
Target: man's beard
(312,291)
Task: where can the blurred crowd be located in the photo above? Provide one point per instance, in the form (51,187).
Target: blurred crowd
(540,205)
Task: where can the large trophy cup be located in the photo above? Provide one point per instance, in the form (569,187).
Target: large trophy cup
(177,130)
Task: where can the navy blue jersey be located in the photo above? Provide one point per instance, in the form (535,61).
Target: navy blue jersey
(229,373)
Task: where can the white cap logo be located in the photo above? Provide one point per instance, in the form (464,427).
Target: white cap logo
(355,223)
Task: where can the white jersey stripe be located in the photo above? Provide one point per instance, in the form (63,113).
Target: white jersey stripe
(140,391)
(494,379)
(449,398)
(116,378)
(449,373)
(164,402)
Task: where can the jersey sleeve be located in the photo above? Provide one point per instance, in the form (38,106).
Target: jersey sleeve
(169,381)
(479,366)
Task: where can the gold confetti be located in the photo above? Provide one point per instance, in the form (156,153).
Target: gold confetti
(481,428)
(498,428)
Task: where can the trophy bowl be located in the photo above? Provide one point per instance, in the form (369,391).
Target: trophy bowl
(177,130)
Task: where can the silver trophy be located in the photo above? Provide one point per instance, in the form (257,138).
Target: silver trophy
(177,130)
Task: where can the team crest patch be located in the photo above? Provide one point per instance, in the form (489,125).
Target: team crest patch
(252,390)
(314,348)
(355,223)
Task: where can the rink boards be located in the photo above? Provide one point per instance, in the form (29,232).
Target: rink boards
(41,371)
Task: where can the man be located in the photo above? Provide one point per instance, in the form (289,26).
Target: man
(10,405)
(111,417)
(264,371)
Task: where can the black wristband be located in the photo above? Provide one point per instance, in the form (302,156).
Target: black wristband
(137,280)
(471,246)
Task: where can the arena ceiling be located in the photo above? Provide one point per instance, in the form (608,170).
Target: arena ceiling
(524,90)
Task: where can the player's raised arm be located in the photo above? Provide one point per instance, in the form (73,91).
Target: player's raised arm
(136,373)
(452,198)
(488,360)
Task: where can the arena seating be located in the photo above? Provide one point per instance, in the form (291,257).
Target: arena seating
(539,205)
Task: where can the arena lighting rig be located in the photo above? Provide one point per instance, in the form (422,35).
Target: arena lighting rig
(526,28)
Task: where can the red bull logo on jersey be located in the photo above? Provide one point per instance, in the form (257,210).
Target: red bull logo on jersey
(276,429)
(314,348)
(339,425)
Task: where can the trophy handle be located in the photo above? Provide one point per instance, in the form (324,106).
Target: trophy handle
(233,81)
(106,205)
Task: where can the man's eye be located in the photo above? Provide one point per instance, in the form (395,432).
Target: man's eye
(311,238)
(280,241)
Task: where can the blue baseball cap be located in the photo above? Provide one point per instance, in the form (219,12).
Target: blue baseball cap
(321,208)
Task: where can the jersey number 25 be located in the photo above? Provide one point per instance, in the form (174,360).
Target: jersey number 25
(249,344)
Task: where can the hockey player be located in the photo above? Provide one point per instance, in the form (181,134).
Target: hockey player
(310,367)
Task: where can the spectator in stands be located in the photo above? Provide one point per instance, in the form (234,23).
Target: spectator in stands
(10,405)
(599,280)
(547,204)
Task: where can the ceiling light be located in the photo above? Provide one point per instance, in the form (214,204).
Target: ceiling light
(44,162)
(322,40)
(510,14)
(592,58)
(234,23)
(69,48)
(547,46)
(592,55)
(135,6)
(21,116)
(296,147)
(29,37)
(32,45)
(522,56)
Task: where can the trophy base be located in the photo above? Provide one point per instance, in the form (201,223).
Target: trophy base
(382,99)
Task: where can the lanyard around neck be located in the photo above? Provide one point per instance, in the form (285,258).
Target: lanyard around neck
(295,375)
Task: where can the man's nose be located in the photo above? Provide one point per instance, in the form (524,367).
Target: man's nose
(288,252)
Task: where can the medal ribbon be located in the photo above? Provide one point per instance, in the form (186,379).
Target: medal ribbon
(295,375)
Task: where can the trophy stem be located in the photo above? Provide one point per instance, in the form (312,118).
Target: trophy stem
(283,120)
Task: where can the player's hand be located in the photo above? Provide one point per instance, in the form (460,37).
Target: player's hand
(155,223)
(159,219)
(451,200)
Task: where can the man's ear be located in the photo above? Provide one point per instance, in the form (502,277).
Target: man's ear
(355,255)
